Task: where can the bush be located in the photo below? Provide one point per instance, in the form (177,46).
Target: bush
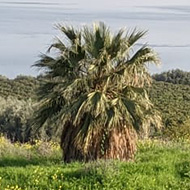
(180,132)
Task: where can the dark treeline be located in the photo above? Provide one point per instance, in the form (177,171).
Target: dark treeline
(170,94)
(174,76)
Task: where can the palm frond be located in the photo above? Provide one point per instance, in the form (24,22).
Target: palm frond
(69,32)
(134,36)
(59,45)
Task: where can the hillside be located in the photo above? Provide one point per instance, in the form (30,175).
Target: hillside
(18,96)
(22,87)
(172,100)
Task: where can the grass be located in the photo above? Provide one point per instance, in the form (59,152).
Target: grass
(157,166)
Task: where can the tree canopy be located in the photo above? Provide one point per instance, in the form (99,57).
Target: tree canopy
(176,76)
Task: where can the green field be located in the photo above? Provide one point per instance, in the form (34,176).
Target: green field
(157,166)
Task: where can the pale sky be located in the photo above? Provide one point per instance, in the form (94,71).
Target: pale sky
(34,20)
(135,2)
(110,3)
(102,4)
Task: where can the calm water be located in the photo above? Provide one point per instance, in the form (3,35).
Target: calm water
(27,28)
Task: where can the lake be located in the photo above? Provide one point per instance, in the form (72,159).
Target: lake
(27,28)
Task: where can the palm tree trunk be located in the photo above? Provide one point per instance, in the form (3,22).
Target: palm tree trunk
(70,151)
(120,145)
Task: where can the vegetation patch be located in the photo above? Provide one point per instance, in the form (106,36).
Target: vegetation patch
(158,165)
(16,114)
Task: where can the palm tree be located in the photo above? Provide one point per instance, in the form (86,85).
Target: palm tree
(93,92)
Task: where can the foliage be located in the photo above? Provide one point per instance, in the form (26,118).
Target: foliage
(177,132)
(22,87)
(174,76)
(27,153)
(159,166)
(94,90)
(17,105)
(173,102)
(17,99)
(15,118)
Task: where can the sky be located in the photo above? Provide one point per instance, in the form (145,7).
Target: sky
(27,27)
(110,3)
(113,3)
